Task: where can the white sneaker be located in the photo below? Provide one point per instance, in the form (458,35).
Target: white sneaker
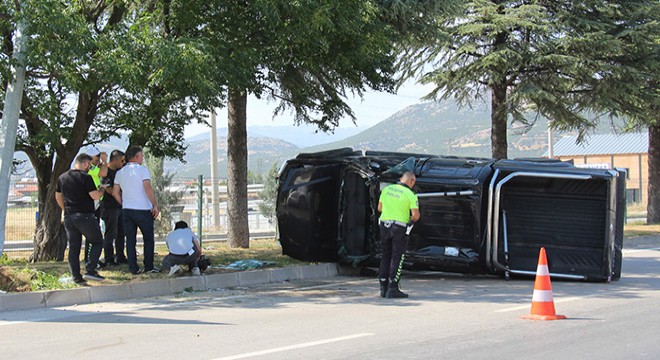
(196,271)
(174,269)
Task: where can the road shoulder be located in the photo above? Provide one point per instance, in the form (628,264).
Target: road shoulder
(160,287)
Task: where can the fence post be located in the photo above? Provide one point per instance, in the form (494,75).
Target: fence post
(200,200)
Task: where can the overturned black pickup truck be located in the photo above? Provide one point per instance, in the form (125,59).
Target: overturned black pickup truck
(478,216)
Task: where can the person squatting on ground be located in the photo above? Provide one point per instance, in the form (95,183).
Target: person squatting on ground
(75,193)
(113,238)
(139,208)
(184,250)
(399,208)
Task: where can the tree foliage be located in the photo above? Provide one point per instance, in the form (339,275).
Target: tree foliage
(147,68)
(308,56)
(94,70)
(616,45)
(165,197)
(268,195)
(619,43)
(524,55)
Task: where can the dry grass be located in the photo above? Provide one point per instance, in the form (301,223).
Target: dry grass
(641,229)
(636,210)
(15,274)
(20,223)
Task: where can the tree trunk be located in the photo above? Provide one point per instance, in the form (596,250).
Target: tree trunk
(498,115)
(49,238)
(238,232)
(653,208)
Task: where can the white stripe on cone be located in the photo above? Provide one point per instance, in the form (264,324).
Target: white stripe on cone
(542,270)
(542,296)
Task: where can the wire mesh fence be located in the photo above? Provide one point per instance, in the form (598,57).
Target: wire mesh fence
(203,207)
(22,215)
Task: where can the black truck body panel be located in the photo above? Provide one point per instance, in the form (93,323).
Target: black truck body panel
(477,215)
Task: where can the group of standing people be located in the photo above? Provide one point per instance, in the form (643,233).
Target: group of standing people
(118,191)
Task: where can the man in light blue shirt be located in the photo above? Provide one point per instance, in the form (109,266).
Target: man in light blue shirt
(184,249)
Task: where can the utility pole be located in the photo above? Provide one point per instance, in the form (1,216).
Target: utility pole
(215,198)
(10,114)
(550,142)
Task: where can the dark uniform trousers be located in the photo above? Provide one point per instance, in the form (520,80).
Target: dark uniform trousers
(393,243)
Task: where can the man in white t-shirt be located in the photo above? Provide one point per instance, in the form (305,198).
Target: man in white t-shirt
(139,208)
(184,249)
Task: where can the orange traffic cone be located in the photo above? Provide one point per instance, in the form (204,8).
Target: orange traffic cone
(543,304)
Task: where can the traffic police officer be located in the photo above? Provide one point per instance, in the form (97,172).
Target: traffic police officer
(399,208)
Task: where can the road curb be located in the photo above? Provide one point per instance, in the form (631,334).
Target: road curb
(160,287)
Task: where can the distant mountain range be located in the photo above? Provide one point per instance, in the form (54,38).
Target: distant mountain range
(301,136)
(443,129)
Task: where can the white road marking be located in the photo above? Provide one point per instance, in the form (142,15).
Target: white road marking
(638,250)
(294,347)
(6,323)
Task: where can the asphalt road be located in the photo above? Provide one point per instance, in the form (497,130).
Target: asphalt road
(447,317)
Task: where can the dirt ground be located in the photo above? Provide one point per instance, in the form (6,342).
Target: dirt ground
(12,282)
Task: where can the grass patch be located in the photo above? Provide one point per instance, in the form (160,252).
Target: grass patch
(20,223)
(641,229)
(17,275)
(635,209)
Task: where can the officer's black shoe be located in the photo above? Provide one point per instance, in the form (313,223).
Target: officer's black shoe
(383,287)
(393,292)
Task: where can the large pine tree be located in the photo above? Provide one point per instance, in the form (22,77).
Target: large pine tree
(517,53)
(616,48)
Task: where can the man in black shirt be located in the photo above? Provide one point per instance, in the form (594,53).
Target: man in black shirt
(111,214)
(75,194)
